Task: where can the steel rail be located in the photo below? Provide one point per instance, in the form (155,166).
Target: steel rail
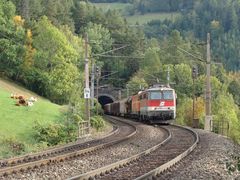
(63,157)
(154,173)
(122,163)
(54,150)
(94,174)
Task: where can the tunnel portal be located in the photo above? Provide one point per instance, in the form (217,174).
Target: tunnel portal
(105,99)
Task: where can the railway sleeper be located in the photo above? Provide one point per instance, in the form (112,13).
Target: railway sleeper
(91,178)
(42,164)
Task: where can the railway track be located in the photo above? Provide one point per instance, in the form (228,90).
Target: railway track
(152,162)
(122,131)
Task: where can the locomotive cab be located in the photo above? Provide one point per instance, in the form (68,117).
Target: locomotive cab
(158,104)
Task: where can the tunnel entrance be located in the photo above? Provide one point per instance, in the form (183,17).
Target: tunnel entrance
(105,99)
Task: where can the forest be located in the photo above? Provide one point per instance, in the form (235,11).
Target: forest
(42,47)
(220,18)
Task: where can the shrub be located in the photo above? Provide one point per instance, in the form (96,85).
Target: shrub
(13,146)
(97,122)
(54,134)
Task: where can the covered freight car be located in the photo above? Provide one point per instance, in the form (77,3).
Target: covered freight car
(107,108)
(123,107)
(115,108)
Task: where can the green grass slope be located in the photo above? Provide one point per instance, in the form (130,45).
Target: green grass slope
(17,121)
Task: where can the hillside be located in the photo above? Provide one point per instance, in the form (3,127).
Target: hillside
(11,87)
(17,121)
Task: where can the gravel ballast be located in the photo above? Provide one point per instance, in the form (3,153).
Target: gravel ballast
(208,161)
(146,137)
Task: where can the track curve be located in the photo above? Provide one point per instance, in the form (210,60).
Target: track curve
(121,132)
(152,162)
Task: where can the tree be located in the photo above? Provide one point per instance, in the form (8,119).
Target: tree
(57,53)
(60,85)
(59,12)
(136,83)
(52,46)
(83,13)
(100,38)
(151,62)
(30,52)
(183,79)
(233,88)
(11,40)
(225,112)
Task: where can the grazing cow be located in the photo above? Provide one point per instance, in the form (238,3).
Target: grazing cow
(32,99)
(22,101)
(30,104)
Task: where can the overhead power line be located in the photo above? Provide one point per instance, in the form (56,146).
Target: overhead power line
(108,75)
(116,49)
(132,57)
(192,55)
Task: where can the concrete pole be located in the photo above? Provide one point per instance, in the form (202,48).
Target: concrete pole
(97,91)
(119,94)
(193,99)
(208,116)
(92,83)
(87,108)
(168,77)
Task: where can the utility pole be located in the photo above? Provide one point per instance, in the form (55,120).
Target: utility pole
(168,77)
(208,117)
(98,73)
(194,76)
(92,83)
(87,90)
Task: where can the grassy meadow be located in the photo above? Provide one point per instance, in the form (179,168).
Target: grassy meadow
(17,122)
(141,19)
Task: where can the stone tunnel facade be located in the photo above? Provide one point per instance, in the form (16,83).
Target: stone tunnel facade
(107,95)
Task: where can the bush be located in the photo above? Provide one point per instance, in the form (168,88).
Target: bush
(184,111)
(97,108)
(54,134)
(97,122)
(12,146)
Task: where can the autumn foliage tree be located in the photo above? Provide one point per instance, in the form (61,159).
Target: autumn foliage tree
(29,52)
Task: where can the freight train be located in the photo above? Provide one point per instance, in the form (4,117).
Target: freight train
(156,104)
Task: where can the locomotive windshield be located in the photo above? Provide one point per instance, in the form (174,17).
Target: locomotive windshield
(155,95)
(166,94)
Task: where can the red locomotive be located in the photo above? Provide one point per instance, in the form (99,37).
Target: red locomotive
(156,104)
